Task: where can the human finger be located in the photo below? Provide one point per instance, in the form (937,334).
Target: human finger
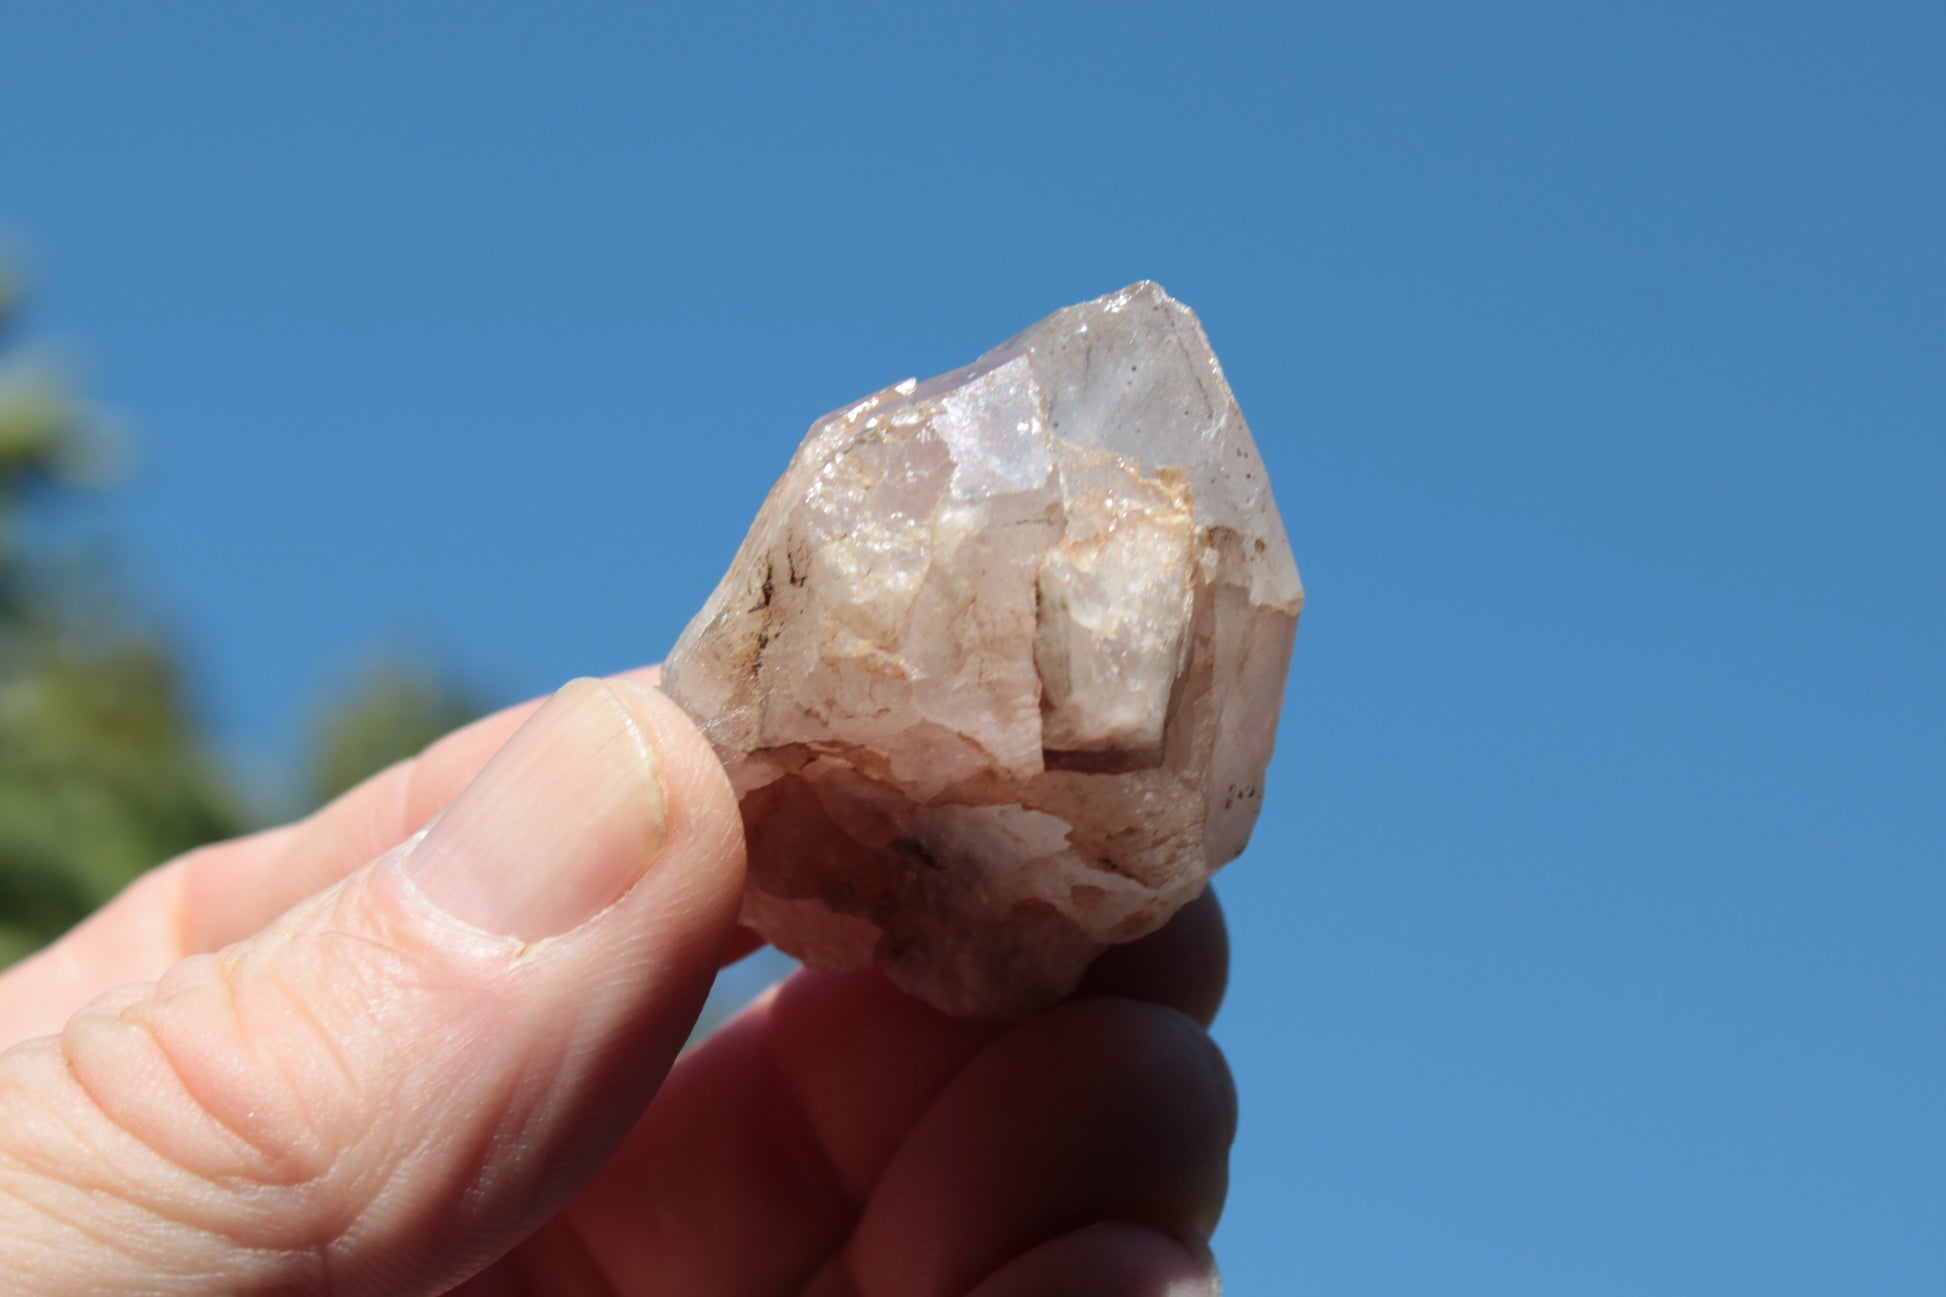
(1099,1110)
(1107,1259)
(401,1077)
(1185,965)
(754,1164)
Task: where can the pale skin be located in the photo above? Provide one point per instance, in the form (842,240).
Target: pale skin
(333,1058)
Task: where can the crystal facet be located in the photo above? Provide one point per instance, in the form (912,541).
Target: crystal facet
(997,671)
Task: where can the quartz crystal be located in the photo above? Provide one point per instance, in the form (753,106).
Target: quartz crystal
(997,671)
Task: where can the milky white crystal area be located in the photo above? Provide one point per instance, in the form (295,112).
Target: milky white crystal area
(997,671)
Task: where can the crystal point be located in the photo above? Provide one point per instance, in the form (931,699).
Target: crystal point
(997,670)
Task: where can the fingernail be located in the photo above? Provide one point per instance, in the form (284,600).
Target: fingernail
(558,826)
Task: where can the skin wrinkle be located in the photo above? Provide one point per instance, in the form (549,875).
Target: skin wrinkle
(556,1261)
(335,1222)
(113,1236)
(537,1091)
(150,1029)
(396,1171)
(291,1002)
(231,1190)
(836,1278)
(834,1274)
(350,1094)
(42,1204)
(112,1241)
(108,1168)
(310,1257)
(809,1155)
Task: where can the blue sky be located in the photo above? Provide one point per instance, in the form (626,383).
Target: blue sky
(1591,941)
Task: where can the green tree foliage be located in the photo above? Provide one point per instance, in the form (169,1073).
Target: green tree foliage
(395,710)
(102,772)
(105,769)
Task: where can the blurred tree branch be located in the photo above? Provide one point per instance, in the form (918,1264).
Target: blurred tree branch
(395,709)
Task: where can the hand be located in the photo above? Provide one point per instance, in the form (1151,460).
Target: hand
(382,1064)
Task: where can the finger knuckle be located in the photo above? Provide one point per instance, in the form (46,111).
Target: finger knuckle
(223,1099)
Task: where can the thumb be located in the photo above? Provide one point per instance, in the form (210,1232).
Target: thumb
(402,1077)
